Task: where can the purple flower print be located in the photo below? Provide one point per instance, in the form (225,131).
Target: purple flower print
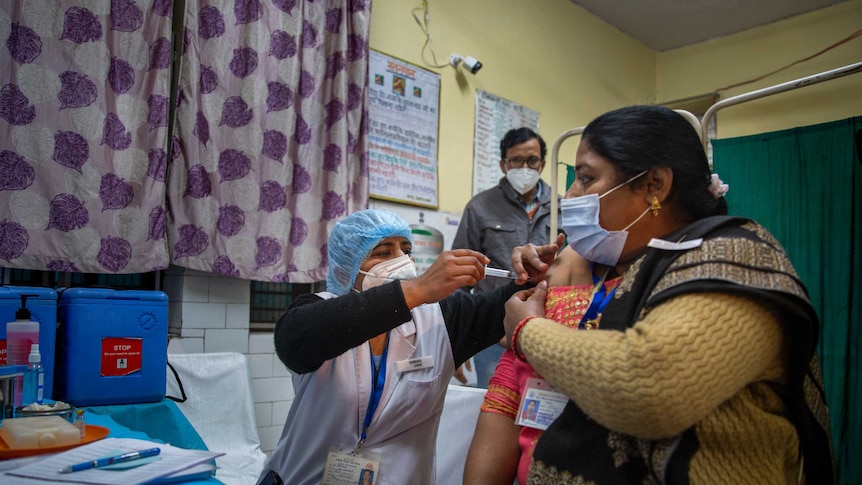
(279,97)
(331,158)
(198,183)
(114,133)
(268,251)
(15,172)
(274,145)
(210,23)
(333,206)
(114,253)
(244,62)
(67,213)
(192,241)
(285,5)
(158,115)
(298,231)
(13,239)
(121,75)
(60,265)
(209,79)
(126,16)
(334,112)
(24,44)
(15,108)
(302,133)
(230,220)
(223,266)
(114,192)
(301,180)
(81,25)
(233,165)
(309,35)
(77,91)
(247,11)
(202,128)
(334,64)
(235,112)
(160,54)
(333,20)
(157,224)
(272,196)
(282,45)
(71,149)
(157,165)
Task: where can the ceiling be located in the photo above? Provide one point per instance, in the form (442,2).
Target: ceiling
(667,24)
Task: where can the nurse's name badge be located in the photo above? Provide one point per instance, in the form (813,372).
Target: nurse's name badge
(408,365)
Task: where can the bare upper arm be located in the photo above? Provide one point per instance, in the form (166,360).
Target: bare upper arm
(569,269)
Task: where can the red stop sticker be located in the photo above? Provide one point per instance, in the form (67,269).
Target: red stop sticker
(121,356)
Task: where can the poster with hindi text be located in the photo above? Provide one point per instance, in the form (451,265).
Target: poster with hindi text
(494,117)
(403,114)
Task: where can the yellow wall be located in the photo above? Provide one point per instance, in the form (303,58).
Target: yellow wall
(706,67)
(556,58)
(548,55)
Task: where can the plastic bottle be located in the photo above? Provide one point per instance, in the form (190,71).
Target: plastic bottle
(20,334)
(34,378)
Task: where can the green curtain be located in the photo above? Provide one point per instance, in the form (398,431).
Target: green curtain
(805,186)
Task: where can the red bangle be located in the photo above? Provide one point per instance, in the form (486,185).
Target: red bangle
(515,333)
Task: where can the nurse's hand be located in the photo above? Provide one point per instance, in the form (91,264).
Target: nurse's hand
(523,304)
(451,270)
(530,262)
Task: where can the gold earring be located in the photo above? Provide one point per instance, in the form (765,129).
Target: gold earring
(655,206)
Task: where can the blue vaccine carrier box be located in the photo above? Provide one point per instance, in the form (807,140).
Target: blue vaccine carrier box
(113,346)
(43,309)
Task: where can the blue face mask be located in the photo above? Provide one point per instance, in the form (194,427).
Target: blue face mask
(580,220)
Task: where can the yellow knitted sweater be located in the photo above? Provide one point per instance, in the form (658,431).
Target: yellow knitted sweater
(714,361)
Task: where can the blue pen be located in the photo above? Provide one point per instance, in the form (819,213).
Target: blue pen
(134,455)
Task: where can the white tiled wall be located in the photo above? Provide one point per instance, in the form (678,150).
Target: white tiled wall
(210,313)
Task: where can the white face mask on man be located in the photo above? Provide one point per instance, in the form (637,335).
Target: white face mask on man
(523,180)
(400,268)
(579,218)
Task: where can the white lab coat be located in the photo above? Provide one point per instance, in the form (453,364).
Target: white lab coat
(330,404)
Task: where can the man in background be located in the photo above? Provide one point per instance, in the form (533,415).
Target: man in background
(515,212)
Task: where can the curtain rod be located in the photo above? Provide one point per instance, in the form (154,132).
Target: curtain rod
(778,88)
(707,118)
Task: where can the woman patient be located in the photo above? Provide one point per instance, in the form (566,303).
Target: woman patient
(503,442)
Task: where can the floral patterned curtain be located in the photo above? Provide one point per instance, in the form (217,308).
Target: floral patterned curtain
(84,90)
(268,147)
(270,135)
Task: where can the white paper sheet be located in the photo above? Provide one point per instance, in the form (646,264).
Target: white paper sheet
(172,460)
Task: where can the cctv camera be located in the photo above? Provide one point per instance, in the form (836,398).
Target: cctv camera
(471,63)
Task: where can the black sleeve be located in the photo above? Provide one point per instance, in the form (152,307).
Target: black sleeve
(475,321)
(314,330)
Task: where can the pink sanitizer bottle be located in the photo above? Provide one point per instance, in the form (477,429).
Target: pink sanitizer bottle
(20,334)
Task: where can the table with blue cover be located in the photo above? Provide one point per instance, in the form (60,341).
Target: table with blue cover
(161,421)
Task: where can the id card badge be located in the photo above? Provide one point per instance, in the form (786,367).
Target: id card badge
(540,404)
(350,469)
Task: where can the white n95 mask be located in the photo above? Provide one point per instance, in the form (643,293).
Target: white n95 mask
(400,268)
(522,179)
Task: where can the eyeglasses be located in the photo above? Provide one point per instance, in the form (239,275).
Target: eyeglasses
(518,162)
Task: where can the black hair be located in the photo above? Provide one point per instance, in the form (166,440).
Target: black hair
(638,138)
(516,136)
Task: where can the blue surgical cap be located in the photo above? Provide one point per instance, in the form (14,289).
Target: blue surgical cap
(352,240)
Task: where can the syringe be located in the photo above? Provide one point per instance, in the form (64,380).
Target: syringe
(500,273)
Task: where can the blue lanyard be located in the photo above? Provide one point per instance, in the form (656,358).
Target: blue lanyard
(376,391)
(601,298)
